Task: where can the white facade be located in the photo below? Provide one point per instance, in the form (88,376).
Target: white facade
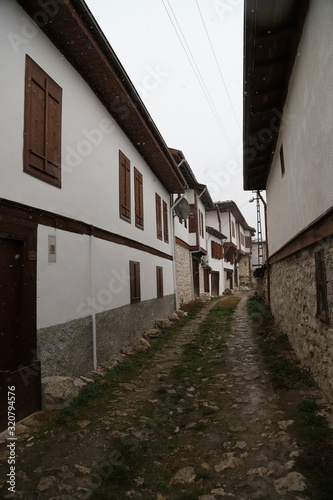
(304,192)
(83,246)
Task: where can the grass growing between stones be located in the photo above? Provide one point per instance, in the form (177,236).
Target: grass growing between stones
(310,425)
(148,463)
(92,395)
(285,370)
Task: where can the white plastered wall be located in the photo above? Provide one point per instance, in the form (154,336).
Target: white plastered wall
(64,288)
(305,191)
(91,141)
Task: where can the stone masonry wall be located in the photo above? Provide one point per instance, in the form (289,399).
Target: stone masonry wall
(66,349)
(245,271)
(294,305)
(184,275)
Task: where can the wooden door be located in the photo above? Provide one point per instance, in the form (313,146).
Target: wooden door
(18,345)
(215,283)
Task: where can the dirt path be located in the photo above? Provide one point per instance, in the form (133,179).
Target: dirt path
(202,422)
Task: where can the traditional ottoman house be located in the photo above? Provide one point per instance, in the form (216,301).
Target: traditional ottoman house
(214,272)
(192,270)
(288,150)
(237,247)
(86,248)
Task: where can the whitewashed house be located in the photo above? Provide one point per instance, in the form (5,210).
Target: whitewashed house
(86,243)
(214,283)
(192,268)
(288,150)
(237,247)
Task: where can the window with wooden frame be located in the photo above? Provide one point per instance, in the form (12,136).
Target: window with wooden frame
(165,222)
(321,286)
(217,252)
(233,229)
(158,208)
(202,225)
(42,125)
(138,192)
(248,242)
(135,285)
(159,281)
(124,187)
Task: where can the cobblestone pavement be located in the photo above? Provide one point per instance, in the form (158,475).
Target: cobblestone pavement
(229,436)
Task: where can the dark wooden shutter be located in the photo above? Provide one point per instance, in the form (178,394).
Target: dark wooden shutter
(202,225)
(42,125)
(135,286)
(124,187)
(158,216)
(159,281)
(193,225)
(165,222)
(138,190)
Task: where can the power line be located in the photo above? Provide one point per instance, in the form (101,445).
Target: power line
(199,76)
(218,65)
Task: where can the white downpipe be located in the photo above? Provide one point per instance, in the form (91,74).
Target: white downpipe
(92,293)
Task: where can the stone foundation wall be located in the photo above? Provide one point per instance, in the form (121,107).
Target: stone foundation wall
(184,275)
(67,350)
(294,305)
(245,271)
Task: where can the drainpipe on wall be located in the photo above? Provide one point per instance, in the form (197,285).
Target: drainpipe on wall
(267,254)
(92,294)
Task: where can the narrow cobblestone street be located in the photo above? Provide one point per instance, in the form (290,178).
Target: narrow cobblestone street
(218,432)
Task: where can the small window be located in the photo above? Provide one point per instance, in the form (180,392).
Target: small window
(233,229)
(321,286)
(42,125)
(159,281)
(158,207)
(135,286)
(138,190)
(283,168)
(217,252)
(124,187)
(165,222)
(202,232)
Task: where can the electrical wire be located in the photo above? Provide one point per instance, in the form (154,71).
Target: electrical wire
(218,65)
(199,76)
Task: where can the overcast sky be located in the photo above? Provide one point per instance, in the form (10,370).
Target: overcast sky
(185,58)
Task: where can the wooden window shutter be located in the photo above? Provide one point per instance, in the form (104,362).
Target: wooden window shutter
(165,222)
(135,285)
(193,224)
(321,285)
(124,187)
(202,225)
(213,249)
(159,281)
(158,207)
(138,191)
(42,125)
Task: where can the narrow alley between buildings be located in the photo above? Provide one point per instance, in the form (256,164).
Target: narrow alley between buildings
(198,420)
